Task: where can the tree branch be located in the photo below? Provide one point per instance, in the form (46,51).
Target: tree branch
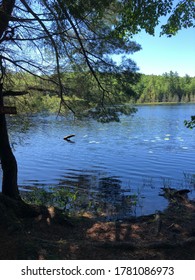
(52,42)
(14,93)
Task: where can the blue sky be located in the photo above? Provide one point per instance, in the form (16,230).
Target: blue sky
(162,54)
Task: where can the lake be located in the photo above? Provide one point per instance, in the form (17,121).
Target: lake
(123,165)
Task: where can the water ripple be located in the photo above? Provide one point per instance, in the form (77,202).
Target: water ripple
(152,144)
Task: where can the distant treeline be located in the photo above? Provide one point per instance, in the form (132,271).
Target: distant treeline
(82,91)
(169,87)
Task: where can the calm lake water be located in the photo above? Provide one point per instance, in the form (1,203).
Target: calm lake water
(118,163)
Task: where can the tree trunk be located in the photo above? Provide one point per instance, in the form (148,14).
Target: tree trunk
(6,9)
(8,161)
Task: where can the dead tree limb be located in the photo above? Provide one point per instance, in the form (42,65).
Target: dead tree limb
(67,138)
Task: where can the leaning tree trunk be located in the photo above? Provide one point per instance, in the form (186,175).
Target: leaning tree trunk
(8,161)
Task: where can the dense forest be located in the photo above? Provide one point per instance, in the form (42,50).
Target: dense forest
(169,87)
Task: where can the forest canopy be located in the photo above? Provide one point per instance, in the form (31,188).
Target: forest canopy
(166,88)
(49,38)
(169,87)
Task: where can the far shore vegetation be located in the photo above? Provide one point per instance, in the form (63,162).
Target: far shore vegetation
(168,88)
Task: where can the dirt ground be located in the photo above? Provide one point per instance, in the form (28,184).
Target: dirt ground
(48,234)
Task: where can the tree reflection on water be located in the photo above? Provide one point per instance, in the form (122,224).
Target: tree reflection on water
(92,194)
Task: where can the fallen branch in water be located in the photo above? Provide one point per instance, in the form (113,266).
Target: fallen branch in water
(67,138)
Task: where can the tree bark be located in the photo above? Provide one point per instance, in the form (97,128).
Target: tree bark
(8,160)
(6,9)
